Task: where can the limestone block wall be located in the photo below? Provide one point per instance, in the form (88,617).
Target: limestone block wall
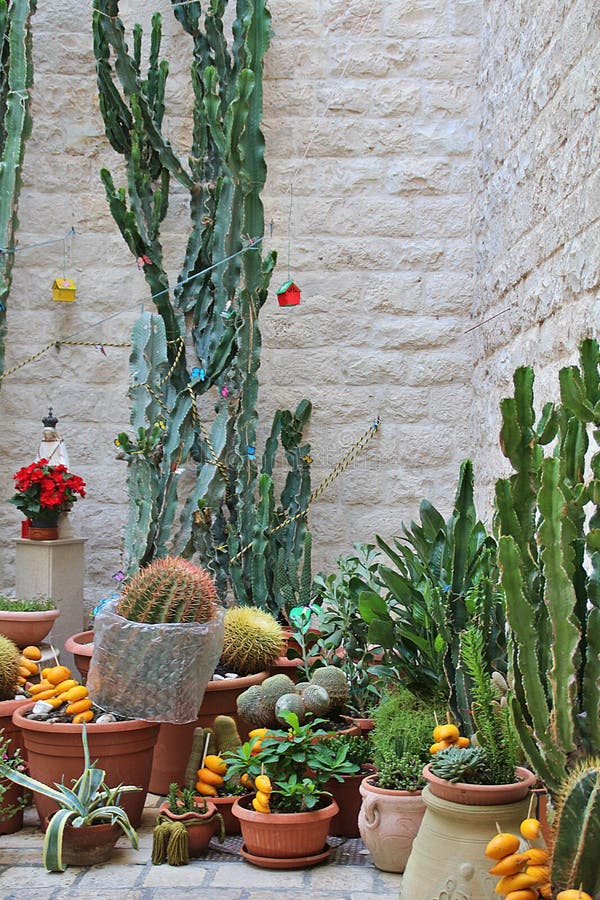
(537,205)
(370,120)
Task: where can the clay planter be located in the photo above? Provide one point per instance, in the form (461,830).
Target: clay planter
(448,857)
(24,628)
(200,827)
(284,840)
(481,794)
(285,666)
(123,749)
(388,822)
(174,742)
(12,796)
(81,646)
(347,795)
(364,723)
(12,731)
(90,844)
(225,807)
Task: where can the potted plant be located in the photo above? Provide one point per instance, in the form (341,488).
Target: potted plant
(286,822)
(12,795)
(10,696)
(470,789)
(27,622)
(346,791)
(197,820)
(42,491)
(89,819)
(392,807)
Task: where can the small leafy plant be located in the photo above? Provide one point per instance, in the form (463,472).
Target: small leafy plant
(11,759)
(184,800)
(37,604)
(400,739)
(297,766)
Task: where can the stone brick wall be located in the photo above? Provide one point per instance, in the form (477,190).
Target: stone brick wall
(369,118)
(537,205)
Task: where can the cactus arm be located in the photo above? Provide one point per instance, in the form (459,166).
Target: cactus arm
(556,534)
(577,831)
(17,72)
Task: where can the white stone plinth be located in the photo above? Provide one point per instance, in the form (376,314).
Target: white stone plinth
(54,569)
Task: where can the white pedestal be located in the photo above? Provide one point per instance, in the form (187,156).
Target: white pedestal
(54,569)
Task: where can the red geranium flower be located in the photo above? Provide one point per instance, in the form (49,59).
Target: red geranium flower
(41,486)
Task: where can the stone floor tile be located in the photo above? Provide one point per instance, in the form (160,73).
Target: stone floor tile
(94,878)
(192,875)
(295,895)
(208,893)
(34,880)
(339,878)
(245,875)
(77,893)
(22,856)
(390,880)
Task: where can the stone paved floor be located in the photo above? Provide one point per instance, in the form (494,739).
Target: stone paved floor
(131,876)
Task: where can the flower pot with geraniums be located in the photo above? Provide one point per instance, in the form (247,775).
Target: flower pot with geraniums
(89,818)
(27,622)
(42,491)
(469,790)
(392,807)
(185,825)
(286,822)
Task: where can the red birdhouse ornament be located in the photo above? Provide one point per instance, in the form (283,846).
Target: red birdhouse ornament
(288,294)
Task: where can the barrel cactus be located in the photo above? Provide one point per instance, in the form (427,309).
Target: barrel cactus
(253,640)
(9,668)
(169,590)
(577,830)
(334,681)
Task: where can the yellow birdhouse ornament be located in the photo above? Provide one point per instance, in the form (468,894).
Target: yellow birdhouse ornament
(63,290)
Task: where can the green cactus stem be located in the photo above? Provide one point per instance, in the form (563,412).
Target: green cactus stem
(577,830)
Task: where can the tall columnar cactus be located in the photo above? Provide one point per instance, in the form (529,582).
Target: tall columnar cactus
(577,831)
(16,78)
(549,554)
(169,590)
(230,517)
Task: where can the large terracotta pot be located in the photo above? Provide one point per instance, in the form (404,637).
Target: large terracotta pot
(174,742)
(90,844)
(200,827)
(225,807)
(24,628)
(388,822)
(448,858)
(284,840)
(81,646)
(123,749)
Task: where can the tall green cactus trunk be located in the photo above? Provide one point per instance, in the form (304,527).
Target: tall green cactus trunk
(549,554)
(228,515)
(16,79)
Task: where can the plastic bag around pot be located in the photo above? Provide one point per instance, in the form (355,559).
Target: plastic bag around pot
(153,672)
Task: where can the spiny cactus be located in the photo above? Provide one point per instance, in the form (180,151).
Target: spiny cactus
(334,681)
(9,668)
(231,516)
(16,78)
(289,703)
(253,640)
(169,590)
(577,830)
(226,733)
(549,555)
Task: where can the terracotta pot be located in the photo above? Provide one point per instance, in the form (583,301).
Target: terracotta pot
(123,749)
(174,742)
(90,844)
(200,826)
(481,794)
(225,807)
(285,666)
(81,646)
(283,836)
(12,796)
(448,858)
(388,822)
(12,731)
(24,628)
(42,532)
(347,795)
(364,723)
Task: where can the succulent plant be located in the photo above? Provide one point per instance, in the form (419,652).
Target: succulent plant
(465,764)
(289,703)
(334,681)
(169,590)
(9,668)
(252,641)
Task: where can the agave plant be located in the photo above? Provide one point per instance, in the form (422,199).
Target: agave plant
(89,802)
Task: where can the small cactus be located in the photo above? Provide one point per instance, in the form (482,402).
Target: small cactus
(289,703)
(9,668)
(169,590)
(334,681)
